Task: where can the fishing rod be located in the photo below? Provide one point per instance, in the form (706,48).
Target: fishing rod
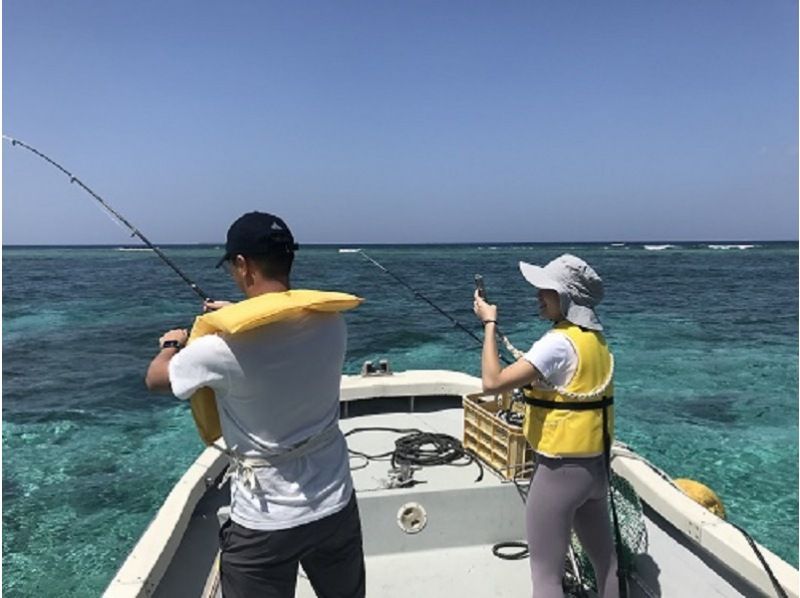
(428,301)
(479,286)
(135,232)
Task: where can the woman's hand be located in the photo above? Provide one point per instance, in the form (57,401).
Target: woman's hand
(483,310)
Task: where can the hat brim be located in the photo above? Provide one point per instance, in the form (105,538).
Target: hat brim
(583,316)
(536,276)
(222,260)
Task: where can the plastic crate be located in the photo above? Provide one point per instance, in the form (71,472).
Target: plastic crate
(498,444)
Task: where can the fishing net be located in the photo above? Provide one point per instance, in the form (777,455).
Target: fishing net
(633,533)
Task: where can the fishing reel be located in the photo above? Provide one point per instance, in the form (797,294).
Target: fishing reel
(517,396)
(512,416)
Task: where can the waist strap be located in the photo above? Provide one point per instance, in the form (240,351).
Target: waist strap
(244,466)
(570,405)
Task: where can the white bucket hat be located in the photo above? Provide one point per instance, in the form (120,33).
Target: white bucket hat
(577,284)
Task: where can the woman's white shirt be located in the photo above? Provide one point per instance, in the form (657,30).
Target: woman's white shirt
(555,357)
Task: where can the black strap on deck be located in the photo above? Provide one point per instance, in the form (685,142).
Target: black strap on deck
(623,586)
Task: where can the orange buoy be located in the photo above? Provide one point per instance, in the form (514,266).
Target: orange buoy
(702,495)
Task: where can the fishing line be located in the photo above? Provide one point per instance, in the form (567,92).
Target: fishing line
(119,218)
(418,294)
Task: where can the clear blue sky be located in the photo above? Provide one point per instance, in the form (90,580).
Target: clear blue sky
(404,121)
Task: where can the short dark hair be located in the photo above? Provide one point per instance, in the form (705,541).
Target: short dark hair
(275,265)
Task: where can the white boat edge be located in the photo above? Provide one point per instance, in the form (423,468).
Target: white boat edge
(144,567)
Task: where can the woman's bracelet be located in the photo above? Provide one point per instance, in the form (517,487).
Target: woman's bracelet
(485,322)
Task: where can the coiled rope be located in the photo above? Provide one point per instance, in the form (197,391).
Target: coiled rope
(421,449)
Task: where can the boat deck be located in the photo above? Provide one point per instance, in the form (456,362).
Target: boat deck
(451,555)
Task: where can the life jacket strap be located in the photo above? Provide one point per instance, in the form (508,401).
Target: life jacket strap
(570,405)
(244,467)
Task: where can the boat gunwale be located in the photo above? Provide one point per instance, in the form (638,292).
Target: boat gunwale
(718,538)
(150,558)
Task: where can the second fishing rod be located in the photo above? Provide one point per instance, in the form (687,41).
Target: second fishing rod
(481,289)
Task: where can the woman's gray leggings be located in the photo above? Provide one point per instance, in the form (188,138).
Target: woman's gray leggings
(565,494)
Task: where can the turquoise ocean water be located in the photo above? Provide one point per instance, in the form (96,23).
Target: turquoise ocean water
(705,341)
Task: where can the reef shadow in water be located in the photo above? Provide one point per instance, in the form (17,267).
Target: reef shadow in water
(711,408)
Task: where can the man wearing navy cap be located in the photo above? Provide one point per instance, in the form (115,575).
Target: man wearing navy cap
(292,497)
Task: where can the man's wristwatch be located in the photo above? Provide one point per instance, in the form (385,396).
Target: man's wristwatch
(171,344)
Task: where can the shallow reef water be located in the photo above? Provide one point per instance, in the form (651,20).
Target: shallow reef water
(705,342)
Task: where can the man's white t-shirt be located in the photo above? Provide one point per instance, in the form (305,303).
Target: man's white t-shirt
(555,357)
(276,386)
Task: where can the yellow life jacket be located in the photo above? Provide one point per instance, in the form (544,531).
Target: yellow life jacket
(575,431)
(247,315)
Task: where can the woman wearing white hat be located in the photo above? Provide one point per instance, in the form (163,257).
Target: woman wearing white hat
(567,375)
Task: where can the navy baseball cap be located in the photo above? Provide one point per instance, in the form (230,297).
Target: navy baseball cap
(258,233)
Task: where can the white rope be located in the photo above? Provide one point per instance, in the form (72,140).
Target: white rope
(243,467)
(562,390)
(579,396)
(240,466)
(511,348)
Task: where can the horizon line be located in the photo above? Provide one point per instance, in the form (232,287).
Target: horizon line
(354,245)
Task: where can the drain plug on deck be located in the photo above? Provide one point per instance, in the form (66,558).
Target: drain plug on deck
(412,518)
